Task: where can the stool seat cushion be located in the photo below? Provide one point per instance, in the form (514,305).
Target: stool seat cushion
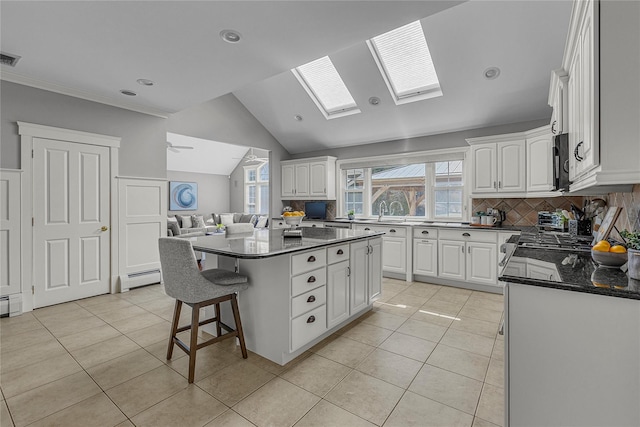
(223,277)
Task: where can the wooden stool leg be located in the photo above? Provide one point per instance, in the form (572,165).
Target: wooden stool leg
(218,328)
(193,346)
(236,317)
(174,327)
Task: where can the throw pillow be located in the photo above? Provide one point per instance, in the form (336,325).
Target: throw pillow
(216,218)
(262,222)
(185,220)
(237,217)
(173,228)
(226,219)
(175,219)
(198,221)
(254,220)
(245,218)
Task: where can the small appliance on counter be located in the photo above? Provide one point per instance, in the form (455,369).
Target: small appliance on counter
(551,221)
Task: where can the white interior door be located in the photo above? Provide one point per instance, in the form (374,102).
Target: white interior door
(71,240)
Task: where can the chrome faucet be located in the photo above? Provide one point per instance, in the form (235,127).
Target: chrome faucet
(382,211)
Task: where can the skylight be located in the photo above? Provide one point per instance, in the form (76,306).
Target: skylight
(325,87)
(405,63)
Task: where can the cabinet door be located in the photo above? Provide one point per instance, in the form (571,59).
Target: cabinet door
(374,278)
(359,269)
(451,259)
(574,128)
(511,166)
(483,168)
(288,180)
(394,258)
(482,259)
(589,150)
(425,257)
(302,180)
(539,164)
(318,179)
(337,293)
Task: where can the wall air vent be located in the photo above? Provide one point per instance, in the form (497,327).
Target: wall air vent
(9,59)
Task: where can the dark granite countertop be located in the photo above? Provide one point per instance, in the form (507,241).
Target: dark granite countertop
(568,270)
(456,225)
(265,243)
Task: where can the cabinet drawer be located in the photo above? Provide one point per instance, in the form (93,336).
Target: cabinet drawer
(392,231)
(425,233)
(308,326)
(308,261)
(305,282)
(308,301)
(469,235)
(337,253)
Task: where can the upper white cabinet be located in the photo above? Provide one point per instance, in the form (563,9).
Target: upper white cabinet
(602,59)
(513,165)
(498,166)
(309,179)
(558,101)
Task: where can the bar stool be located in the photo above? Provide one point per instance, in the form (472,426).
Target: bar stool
(184,282)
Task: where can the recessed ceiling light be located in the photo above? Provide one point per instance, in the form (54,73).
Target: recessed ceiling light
(298,117)
(491,73)
(145,82)
(128,92)
(230,36)
(374,100)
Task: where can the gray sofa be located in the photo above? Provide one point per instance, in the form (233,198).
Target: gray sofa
(199,224)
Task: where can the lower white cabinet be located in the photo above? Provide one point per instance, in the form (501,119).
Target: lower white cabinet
(308,326)
(374,269)
(481,261)
(395,250)
(451,259)
(338,276)
(425,257)
(470,256)
(366,273)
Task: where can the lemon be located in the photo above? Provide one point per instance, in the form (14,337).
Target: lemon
(602,246)
(619,249)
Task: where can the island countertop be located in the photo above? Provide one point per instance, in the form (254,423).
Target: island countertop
(265,243)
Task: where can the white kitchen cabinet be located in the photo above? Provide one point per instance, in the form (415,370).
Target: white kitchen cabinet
(359,265)
(603,63)
(540,163)
(374,269)
(396,258)
(558,101)
(571,358)
(338,276)
(309,179)
(470,256)
(425,251)
(497,167)
(10,223)
(451,259)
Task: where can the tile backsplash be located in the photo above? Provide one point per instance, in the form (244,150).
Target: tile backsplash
(524,212)
(630,203)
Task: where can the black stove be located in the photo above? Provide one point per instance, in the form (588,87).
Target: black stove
(555,241)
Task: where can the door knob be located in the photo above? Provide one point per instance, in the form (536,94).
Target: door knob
(104,228)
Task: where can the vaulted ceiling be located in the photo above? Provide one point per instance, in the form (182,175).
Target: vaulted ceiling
(95,49)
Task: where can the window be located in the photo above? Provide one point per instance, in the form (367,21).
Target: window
(354,191)
(427,190)
(256,194)
(404,60)
(325,87)
(447,189)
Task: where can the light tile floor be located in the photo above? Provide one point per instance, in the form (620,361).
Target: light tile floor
(426,355)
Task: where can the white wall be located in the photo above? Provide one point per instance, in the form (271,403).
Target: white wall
(143,147)
(213,192)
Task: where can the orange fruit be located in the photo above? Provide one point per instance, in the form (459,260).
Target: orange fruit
(602,246)
(619,249)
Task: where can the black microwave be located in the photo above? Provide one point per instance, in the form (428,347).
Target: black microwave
(561,162)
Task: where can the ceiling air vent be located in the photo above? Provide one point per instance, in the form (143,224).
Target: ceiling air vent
(9,59)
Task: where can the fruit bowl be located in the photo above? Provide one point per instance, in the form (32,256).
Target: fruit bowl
(293,220)
(609,259)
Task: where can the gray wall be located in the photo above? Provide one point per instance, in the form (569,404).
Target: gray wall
(422,143)
(213,191)
(142,149)
(225,119)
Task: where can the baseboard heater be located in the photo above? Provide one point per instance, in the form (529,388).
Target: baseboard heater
(10,305)
(141,278)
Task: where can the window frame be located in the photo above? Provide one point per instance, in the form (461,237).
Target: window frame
(258,184)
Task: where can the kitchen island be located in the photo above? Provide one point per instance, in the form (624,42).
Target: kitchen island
(302,289)
(572,341)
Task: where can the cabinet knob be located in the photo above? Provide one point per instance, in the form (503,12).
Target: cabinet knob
(499,184)
(466,234)
(495,185)
(311,299)
(367,229)
(340,252)
(311,259)
(311,319)
(311,279)
(553,127)
(576,152)
(425,232)
(392,230)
